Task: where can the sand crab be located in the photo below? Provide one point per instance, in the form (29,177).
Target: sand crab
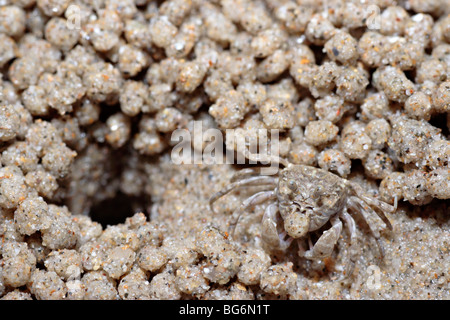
(307,198)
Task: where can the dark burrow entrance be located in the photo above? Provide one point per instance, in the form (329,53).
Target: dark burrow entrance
(115,210)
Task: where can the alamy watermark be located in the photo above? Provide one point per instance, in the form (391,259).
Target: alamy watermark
(262,148)
(210,147)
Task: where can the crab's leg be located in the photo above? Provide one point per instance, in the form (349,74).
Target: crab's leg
(245,173)
(269,229)
(253,181)
(255,199)
(324,246)
(351,225)
(356,203)
(377,204)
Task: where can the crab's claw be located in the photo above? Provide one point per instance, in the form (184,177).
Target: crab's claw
(297,221)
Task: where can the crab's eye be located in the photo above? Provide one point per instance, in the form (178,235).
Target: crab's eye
(292,185)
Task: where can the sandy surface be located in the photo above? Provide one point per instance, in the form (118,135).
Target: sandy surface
(416,264)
